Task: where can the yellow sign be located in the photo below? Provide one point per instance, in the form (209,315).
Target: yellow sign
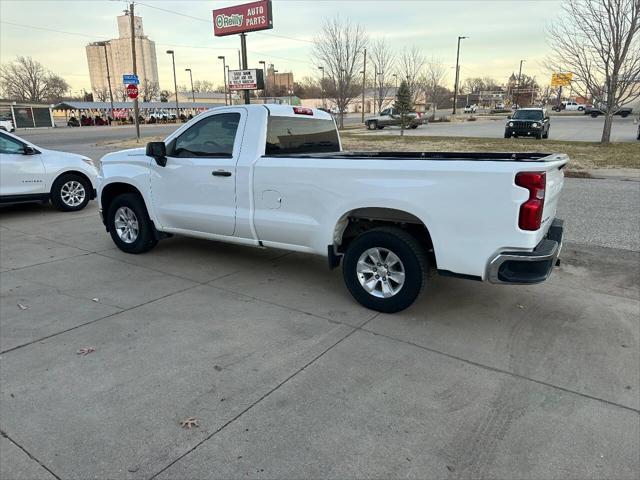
(561,79)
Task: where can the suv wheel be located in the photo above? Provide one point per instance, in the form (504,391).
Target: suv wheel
(385,269)
(129,224)
(70,192)
(507,135)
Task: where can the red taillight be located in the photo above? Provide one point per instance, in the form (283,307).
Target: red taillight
(302,111)
(531,210)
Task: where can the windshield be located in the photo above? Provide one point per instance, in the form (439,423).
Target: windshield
(301,135)
(528,115)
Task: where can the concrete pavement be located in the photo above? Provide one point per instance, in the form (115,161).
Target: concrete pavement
(289,378)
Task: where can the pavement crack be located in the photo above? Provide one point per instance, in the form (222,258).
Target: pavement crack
(274,389)
(5,435)
(504,372)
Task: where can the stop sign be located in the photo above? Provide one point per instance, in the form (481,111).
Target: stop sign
(132,91)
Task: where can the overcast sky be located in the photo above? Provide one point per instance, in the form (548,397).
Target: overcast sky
(501,33)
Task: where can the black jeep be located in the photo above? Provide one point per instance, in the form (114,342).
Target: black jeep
(528,122)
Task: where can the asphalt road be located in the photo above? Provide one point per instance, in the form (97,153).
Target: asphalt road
(574,128)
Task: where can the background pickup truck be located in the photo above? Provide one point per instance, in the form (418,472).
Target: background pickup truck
(275,176)
(390,118)
(595,111)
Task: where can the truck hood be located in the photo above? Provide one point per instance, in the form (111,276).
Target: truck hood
(128,155)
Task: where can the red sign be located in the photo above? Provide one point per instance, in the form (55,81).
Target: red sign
(132,91)
(249,17)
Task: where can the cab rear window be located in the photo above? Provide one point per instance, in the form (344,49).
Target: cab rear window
(287,135)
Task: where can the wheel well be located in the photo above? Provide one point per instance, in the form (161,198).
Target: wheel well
(360,220)
(72,172)
(111,191)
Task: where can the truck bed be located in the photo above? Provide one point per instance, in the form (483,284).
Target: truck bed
(443,156)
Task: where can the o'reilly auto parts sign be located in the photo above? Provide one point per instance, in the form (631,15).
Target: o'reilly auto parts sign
(246,79)
(249,17)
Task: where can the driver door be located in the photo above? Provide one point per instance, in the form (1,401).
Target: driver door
(196,191)
(20,173)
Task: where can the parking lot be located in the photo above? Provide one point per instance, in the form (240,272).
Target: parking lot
(287,377)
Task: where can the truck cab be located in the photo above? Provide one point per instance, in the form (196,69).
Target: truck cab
(389,117)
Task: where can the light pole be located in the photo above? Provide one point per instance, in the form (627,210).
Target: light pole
(193,95)
(106,61)
(518,86)
(455,88)
(274,81)
(396,77)
(224,77)
(175,82)
(264,79)
(322,86)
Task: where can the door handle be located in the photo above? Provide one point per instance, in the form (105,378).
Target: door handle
(221,173)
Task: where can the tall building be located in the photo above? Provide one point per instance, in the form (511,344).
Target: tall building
(279,82)
(116,55)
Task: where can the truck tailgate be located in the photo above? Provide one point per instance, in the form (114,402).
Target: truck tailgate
(555,182)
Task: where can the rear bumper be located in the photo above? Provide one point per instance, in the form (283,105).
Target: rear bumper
(529,267)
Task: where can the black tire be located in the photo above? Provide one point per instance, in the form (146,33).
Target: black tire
(380,127)
(414,126)
(62,190)
(412,256)
(507,135)
(546,135)
(145,239)
(372,125)
(594,115)
(580,109)
(539,136)
(624,114)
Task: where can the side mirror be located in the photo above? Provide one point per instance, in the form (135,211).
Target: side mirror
(29,150)
(157,150)
(508,117)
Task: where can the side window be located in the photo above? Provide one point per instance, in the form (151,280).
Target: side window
(10,145)
(213,136)
(386,111)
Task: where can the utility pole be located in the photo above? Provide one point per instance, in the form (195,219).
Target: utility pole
(455,88)
(224,76)
(518,87)
(106,61)
(364,80)
(175,82)
(136,109)
(193,95)
(243,47)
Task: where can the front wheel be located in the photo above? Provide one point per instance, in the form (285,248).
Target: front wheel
(624,115)
(385,269)
(70,192)
(373,125)
(507,135)
(129,224)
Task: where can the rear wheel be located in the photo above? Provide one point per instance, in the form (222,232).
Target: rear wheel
(70,192)
(624,114)
(129,224)
(372,125)
(385,269)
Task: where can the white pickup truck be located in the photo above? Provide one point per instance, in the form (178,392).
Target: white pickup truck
(276,176)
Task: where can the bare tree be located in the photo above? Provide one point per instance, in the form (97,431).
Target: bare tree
(149,90)
(598,41)
(411,65)
(101,94)
(432,80)
(383,60)
(339,49)
(203,86)
(28,80)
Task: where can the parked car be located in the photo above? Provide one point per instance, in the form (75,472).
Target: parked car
(624,112)
(29,173)
(470,109)
(528,122)
(7,125)
(389,117)
(499,106)
(275,176)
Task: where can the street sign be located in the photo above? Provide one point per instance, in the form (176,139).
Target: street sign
(130,80)
(246,79)
(561,79)
(132,91)
(249,17)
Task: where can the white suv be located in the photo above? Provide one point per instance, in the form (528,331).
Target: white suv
(7,125)
(29,173)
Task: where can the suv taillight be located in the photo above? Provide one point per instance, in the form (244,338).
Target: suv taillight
(531,210)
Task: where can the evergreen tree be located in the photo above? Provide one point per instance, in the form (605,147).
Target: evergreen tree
(403,105)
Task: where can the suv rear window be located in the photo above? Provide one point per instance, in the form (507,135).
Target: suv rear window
(301,135)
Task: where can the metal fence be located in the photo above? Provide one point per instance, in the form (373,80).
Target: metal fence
(27,116)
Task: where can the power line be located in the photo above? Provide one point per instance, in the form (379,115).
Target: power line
(52,30)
